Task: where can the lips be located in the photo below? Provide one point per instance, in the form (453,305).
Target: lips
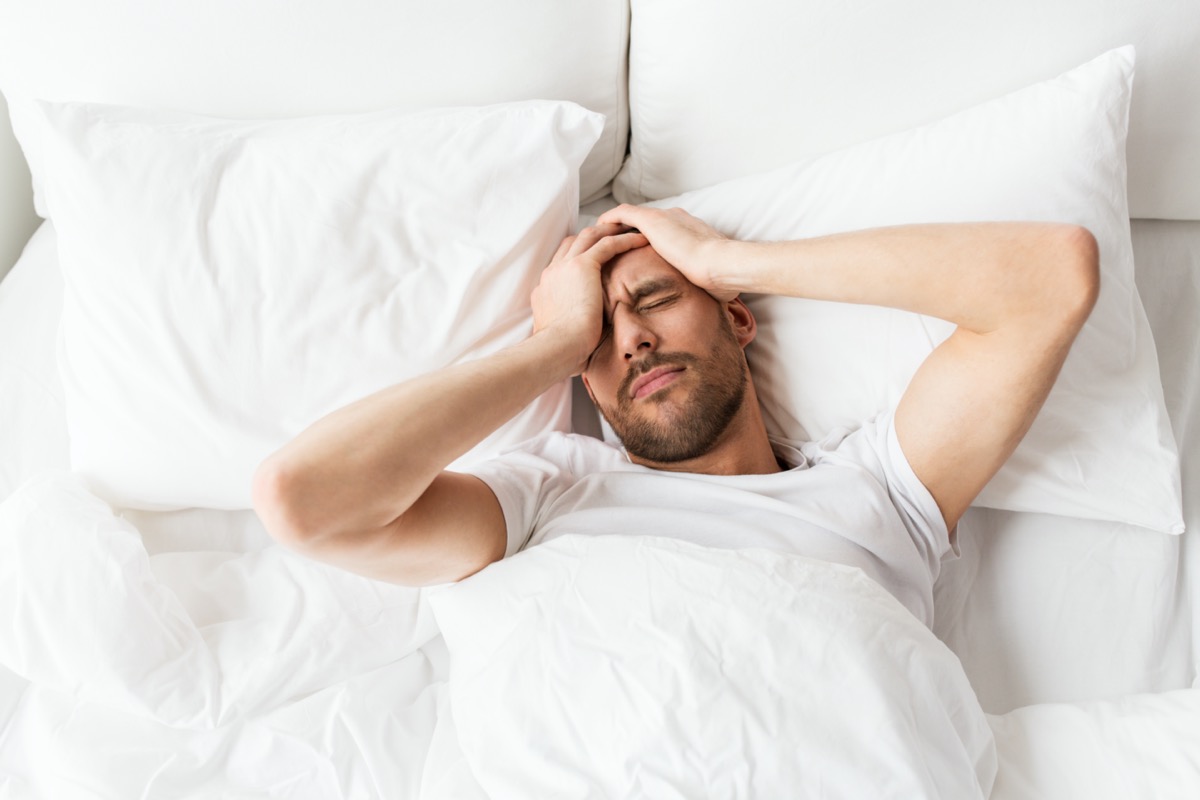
(654,380)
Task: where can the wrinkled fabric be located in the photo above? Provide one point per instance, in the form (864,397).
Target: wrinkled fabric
(648,667)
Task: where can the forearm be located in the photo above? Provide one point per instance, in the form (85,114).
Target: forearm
(364,465)
(978,275)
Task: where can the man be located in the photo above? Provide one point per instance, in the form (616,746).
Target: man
(645,305)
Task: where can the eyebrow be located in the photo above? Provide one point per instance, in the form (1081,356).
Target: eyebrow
(646,288)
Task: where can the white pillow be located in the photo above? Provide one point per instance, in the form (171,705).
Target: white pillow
(636,666)
(281,59)
(1102,447)
(227,283)
(718,90)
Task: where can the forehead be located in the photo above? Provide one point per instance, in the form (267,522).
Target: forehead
(638,269)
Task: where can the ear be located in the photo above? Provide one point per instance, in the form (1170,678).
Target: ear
(745,328)
(583,377)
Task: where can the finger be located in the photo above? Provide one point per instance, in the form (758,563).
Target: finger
(600,230)
(625,214)
(610,247)
(563,247)
(589,236)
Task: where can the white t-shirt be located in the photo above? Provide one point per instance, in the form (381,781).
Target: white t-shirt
(851,499)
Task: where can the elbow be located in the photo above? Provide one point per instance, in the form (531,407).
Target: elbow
(273,495)
(1079,260)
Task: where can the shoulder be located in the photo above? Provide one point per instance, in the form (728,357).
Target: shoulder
(875,449)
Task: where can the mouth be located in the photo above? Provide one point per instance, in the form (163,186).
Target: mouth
(655,379)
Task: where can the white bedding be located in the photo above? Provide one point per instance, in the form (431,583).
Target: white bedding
(1031,610)
(1141,746)
(590,667)
(183,654)
(206,671)
(618,666)
(1169,283)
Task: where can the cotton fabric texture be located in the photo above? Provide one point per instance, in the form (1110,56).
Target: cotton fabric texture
(640,666)
(228,283)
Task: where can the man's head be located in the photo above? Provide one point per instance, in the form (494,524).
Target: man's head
(669,374)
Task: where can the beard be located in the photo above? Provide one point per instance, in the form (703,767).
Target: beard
(690,429)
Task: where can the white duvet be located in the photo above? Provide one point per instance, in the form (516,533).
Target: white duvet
(588,667)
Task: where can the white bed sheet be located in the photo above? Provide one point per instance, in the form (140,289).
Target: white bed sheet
(1040,610)
(1141,746)
(1051,609)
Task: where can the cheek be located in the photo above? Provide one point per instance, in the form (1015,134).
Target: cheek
(602,385)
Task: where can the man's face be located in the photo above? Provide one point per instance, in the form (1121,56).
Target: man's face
(669,374)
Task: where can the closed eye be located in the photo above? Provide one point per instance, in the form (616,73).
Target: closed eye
(655,304)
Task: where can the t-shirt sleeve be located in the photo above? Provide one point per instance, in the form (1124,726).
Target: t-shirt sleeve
(876,447)
(524,479)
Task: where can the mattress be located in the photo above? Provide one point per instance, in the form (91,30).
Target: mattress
(1072,633)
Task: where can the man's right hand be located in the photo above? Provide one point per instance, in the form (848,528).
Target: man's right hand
(568,301)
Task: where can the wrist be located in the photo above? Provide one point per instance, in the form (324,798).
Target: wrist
(562,353)
(729,267)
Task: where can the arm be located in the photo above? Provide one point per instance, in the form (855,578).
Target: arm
(1018,292)
(365,488)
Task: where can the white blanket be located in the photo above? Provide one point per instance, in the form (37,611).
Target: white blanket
(589,667)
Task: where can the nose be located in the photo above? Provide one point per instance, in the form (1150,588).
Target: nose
(631,334)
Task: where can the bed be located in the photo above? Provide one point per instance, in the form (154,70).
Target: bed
(221,220)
